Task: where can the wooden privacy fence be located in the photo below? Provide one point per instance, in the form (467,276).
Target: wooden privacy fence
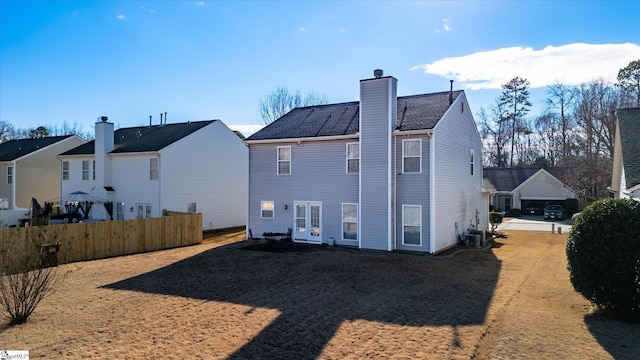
(102,239)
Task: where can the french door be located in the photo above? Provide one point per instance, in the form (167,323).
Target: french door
(307,222)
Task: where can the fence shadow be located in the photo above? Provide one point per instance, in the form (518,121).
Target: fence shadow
(317,291)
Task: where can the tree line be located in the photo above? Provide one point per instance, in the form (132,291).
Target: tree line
(575,131)
(9,132)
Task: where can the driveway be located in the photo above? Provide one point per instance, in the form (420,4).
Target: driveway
(534,223)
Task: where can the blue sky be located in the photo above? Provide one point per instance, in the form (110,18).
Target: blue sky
(72,61)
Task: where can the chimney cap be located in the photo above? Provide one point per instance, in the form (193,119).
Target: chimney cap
(103,118)
(377,73)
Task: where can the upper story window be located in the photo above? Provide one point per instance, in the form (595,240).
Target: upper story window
(94,169)
(153,169)
(412,156)
(353,158)
(284,160)
(85,169)
(10,175)
(65,170)
(472,162)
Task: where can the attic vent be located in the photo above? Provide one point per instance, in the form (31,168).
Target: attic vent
(377,73)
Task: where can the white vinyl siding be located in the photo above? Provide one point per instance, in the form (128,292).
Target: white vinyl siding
(284,160)
(353,158)
(412,156)
(350,221)
(10,175)
(85,169)
(65,170)
(412,225)
(153,169)
(266,209)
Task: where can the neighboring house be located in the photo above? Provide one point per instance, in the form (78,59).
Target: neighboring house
(386,172)
(198,166)
(625,179)
(29,169)
(526,187)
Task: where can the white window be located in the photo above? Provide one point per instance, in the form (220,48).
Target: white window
(153,169)
(411,156)
(65,170)
(85,169)
(350,221)
(411,224)
(472,162)
(266,209)
(353,158)
(284,160)
(119,211)
(191,208)
(94,169)
(10,175)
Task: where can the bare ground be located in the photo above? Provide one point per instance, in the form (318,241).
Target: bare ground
(217,301)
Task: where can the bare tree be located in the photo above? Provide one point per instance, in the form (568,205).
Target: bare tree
(7,131)
(560,100)
(281,100)
(494,130)
(515,101)
(629,83)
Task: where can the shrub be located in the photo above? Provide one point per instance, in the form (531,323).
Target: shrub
(495,219)
(25,279)
(603,252)
(514,213)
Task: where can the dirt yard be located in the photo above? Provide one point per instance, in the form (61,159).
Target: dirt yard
(217,301)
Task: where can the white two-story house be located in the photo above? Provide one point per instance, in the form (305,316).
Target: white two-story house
(198,166)
(385,172)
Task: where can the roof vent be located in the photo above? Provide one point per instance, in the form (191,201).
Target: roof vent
(103,118)
(377,73)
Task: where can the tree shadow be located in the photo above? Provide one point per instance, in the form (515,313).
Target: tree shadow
(620,339)
(317,291)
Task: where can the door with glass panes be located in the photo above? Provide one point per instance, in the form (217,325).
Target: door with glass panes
(307,222)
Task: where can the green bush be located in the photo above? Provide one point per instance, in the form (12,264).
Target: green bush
(514,213)
(603,252)
(495,219)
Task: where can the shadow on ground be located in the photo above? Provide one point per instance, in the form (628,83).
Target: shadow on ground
(618,338)
(317,291)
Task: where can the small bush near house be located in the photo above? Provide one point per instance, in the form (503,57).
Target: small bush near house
(514,213)
(495,219)
(603,252)
(25,279)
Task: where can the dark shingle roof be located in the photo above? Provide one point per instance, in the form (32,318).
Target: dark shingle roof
(629,121)
(144,138)
(507,179)
(14,149)
(417,112)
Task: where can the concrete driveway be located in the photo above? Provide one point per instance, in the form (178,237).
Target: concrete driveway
(535,223)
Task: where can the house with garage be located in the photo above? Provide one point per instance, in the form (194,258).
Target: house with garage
(529,189)
(625,179)
(198,166)
(384,172)
(30,169)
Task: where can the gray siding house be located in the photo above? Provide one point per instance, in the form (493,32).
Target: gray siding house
(625,179)
(384,173)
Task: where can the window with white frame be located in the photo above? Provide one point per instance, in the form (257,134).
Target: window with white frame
(10,175)
(472,162)
(411,224)
(65,170)
(284,160)
(85,169)
(266,209)
(353,158)
(144,211)
(153,169)
(119,211)
(412,156)
(350,221)
(94,169)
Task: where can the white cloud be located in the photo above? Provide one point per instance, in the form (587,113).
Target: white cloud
(199,3)
(121,17)
(445,26)
(301,29)
(570,64)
